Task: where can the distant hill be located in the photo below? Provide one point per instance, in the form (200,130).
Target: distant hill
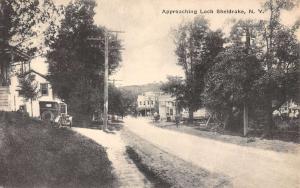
(139,89)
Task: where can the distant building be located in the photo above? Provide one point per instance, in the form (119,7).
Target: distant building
(288,108)
(167,107)
(200,114)
(147,103)
(151,102)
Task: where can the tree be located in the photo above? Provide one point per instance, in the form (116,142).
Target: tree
(270,80)
(19,20)
(116,101)
(28,88)
(230,89)
(280,59)
(129,99)
(176,86)
(230,84)
(76,65)
(19,23)
(196,47)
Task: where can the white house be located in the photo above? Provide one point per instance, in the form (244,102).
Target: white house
(289,109)
(167,107)
(44,89)
(14,60)
(201,113)
(146,103)
(150,102)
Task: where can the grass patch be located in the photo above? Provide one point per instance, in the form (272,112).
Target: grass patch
(33,154)
(150,174)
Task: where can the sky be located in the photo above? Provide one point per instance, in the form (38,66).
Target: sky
(148,41)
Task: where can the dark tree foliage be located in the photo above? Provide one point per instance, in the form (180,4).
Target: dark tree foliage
(20,22)
(281,59)
(129,99)
(28,88)
(231,83)
(196,47)
(259,67)
(20,19)
(76,64)
(176,86)
(116,102)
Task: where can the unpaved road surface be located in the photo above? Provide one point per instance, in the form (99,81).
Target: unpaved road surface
(127,173)
(246,167)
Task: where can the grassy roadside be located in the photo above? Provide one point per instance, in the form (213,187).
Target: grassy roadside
(33,154)
(272,145)
(168,170)
(151,175)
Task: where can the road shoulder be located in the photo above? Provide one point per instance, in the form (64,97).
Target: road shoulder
(173,170)
(272,145)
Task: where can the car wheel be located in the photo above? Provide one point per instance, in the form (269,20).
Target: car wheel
(47,116)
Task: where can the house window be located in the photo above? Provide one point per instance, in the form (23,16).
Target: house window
(148,102)
(171,112)
(44,89)
(141,103)
(144,103)
(22,108)
(152,102)
(21,93)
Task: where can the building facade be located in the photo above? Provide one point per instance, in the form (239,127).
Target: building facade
(147,103)
(167,107)
(289,109)
(12,61)
(44,94)
(150,102)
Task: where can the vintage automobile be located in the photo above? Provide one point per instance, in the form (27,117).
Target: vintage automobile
(55,112)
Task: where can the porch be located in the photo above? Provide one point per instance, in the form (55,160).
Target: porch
(12,61)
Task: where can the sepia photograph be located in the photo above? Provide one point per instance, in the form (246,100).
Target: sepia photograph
(149,94)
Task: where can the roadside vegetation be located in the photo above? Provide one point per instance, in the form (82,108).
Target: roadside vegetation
(33,154)
(241,79)
(77,74)
(283,141)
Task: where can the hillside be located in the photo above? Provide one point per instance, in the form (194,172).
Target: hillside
(139,89)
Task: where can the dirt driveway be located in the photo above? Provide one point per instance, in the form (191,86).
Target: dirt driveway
(247,167)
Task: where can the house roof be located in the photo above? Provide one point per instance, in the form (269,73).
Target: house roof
(40,74)
(19,55)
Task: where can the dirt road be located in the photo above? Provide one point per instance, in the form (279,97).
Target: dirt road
(247,167)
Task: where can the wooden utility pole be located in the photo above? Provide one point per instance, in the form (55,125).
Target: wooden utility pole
(105,110)
(245,110)
(106,52)
(245,119)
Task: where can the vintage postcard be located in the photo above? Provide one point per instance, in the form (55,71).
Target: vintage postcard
(149,93)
